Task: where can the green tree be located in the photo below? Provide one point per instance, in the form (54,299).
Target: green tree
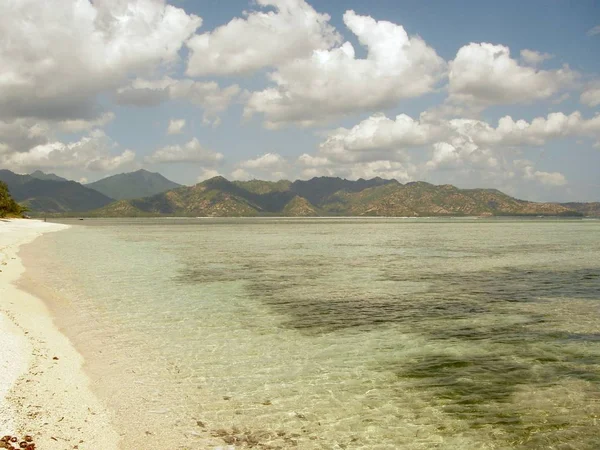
(8,207)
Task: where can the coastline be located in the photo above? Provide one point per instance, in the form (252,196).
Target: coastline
(44,391)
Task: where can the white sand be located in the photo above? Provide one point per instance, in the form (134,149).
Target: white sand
(43,389)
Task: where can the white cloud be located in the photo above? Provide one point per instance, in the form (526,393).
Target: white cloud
(207,174)
(93,153)
(402,172)
(317,166)
(112,163)
(261,39)
(62,54)
(209,95)
(240,174)
(545,178)
(594,31)
(379,146)
(376,135)
(534,57)
(332,83)
(79,125)
(591,95)
(485,74)
(20,135)
(176,126)
(461,153)
(270,166)
(23,134)
(267,161)
(192,152)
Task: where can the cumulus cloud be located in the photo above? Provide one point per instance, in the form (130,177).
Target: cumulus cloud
(207,174)
(594,31)
(534,57)
(192,152)
(546,178)
(62,54)
(24,134)
(240,174)
(209,95)
(591,95)
(94,152)
(264,162)
(485,74)
(261,39)
(271,166)
(176,126)
(20,135)
(79,125)
(317,166)
(461,153)
(332,83)
(378,137)
(380,146)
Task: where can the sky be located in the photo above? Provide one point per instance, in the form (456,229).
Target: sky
(487,94)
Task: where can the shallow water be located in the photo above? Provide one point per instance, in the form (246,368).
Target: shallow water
(335,333)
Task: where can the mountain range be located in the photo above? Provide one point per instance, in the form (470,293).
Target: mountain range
(327,196)
(144,193)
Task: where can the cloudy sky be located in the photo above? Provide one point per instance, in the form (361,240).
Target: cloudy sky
(476,94)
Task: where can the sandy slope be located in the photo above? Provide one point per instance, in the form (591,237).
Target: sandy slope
(43,390)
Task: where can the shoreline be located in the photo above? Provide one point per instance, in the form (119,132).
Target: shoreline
(44,391)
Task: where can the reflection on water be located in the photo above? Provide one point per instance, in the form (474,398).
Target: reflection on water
(370,334)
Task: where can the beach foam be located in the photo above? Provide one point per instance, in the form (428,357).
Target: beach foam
(43,390)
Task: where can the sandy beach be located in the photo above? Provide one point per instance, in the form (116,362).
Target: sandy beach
(43,389)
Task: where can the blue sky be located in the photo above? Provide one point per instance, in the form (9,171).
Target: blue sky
(416,93)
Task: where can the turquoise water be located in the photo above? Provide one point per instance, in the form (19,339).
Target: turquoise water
(335,333)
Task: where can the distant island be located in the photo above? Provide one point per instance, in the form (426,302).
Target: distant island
(147,194)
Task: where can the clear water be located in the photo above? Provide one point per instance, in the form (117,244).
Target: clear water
(335,334)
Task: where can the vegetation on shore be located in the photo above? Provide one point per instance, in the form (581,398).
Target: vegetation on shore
(8,207)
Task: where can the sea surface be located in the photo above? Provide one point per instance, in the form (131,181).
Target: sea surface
(334,333)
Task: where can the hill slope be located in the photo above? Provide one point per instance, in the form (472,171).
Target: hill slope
(49,196)
(377,197)
(132,185)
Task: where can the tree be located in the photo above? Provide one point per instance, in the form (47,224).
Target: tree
(8,207)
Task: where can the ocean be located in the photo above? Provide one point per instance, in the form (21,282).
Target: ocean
(344,333)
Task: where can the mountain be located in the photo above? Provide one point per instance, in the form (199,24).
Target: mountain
(132,185)
(46,176)
(8,207)
(587,209)
(215,197)
(328,196)
(50,196)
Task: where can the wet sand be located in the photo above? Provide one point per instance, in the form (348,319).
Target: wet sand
(44,391)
